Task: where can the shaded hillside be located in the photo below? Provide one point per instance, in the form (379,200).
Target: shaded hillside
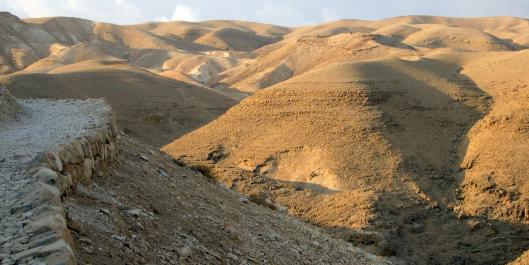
(154,108)
(495,165)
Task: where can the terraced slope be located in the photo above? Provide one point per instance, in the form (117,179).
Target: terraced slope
(306,53)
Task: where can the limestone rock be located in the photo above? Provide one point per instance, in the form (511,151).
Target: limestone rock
(57,247)
(8,104)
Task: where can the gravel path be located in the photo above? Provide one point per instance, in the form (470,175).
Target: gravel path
(39,125)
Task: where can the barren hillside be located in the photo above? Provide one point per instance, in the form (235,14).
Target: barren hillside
(179,50)
(406,137)
(154,108)
(388,153)
(179,216)
(347,40)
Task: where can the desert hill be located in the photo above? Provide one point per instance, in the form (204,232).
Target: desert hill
(398,148)
(145,104)
(39,45)
(424,34)
(405,136)
(293,58)
(190,51)
(229,38)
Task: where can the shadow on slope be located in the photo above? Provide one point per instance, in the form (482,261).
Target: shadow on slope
(151,107)
(389,133)
(428,125)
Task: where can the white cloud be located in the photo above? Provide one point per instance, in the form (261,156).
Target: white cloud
(288,13)
(117,11)
(184,13)
(329,15)
(181,13)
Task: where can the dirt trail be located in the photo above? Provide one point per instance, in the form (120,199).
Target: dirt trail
(35,126)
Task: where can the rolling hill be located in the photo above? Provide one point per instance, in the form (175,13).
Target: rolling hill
(405,136)
(154,108)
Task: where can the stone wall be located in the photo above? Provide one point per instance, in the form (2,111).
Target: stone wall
(54,174)
(8,105)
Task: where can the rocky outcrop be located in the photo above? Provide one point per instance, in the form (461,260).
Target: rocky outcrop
(52,175)
(274,76)
(8,104)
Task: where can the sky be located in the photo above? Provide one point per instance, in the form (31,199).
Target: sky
(279,12)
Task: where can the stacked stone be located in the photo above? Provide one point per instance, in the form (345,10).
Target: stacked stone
(54,174)
(8,104)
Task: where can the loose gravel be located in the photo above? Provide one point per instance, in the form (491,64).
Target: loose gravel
(36,127)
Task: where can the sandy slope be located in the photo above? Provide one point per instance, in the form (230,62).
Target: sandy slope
(425,34)
(378,146)
(300,55)
(496,162)
(43,44)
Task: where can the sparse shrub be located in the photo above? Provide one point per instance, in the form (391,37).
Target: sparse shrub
(179,162)
(204,170)
(262,199)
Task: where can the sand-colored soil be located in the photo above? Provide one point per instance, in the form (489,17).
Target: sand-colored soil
(405,136)
(412,150)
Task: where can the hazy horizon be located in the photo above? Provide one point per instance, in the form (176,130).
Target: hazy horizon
(285,13)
